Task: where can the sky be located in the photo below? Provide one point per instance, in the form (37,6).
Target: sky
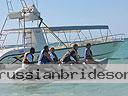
(86,12)
(79,12)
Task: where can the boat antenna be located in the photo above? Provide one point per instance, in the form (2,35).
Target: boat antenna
(32,1)
(24,4)
(9,6)
(24,28)
(37,3)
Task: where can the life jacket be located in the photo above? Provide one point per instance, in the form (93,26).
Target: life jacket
(72,53)
(88,54)
(25,60)
(44,59)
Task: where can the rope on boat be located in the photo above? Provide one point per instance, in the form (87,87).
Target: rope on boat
(54,35)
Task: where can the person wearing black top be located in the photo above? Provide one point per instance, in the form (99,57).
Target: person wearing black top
(71,53)
(88,55)
(44,57)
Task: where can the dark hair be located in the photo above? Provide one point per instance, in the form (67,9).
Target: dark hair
(45,47)
(75,45)
(52,48)
(88,44)
(32,48)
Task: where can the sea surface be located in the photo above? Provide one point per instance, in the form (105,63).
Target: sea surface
(119,57)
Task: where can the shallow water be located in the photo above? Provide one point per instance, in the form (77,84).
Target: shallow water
(64,90)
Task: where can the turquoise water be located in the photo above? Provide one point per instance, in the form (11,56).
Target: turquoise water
(72,89)
(64,90)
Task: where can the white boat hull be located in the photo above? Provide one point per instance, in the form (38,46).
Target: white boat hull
(100,51)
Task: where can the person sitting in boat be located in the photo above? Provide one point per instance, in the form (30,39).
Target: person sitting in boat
(88,55)
(53,55)
(28,57)
(71,53)
(27,60)
(44,57)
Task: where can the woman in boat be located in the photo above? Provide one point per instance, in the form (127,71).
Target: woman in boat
(66,59)
(27,60)
(88,55)
(53,55)
(44,57)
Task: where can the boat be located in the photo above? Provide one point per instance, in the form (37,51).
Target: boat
(38,36)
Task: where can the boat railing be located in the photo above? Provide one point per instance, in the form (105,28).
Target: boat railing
(103,39)
(109,38)
(4,36)
(2,40)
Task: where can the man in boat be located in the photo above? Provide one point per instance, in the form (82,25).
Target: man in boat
(53,55)
(44,57)
(28,57)
(88,55)
(66,59)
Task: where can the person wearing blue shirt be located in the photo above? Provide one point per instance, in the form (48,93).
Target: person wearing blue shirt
(44,57)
